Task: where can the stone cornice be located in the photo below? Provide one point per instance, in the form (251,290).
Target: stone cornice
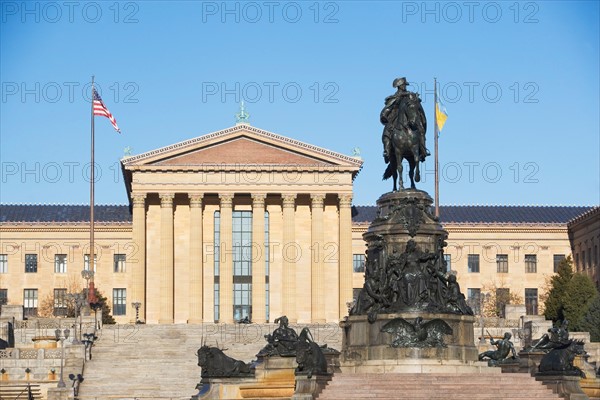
(210,167)
(590,216)
(197,142)
(508,228)
(66,227)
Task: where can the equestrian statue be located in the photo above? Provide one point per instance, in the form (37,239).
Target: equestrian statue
(403,135)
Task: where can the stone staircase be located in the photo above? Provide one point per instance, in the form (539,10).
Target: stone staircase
(160,362)
(436,386)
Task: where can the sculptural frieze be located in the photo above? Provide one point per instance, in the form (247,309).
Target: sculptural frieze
(417,334)
(412,280)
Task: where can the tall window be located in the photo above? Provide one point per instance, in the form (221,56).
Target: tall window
(531,263)
(60,263)
(474,299)
(502,299)
(3,296)
(267,259)
(119,301)
(30,302)
(119,262)
(448,262)
(31,262)
(3,264)
(358,262)
(60,302)
(557,259)
(531,301)
(473,262)
(242,264)
(217,264)
(86,262)
(502,263)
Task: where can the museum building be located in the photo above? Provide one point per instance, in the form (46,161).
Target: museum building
(243,222)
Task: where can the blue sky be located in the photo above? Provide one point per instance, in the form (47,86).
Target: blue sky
(520,81)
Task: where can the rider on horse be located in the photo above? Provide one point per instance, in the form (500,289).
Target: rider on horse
(395,117)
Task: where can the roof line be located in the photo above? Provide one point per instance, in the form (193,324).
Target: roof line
(223,132)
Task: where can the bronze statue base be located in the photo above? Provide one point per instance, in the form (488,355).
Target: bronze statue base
(363,341)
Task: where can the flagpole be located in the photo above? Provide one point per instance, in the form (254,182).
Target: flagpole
(435,140)
(91,259)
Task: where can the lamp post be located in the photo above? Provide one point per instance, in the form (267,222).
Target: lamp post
(95,307)
(61,338)
(79,300)
(137,305)
(483,298)
(88,343)
(88,274)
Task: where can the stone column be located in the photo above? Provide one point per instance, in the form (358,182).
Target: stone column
(166,258)
(196,262)
(258,258)
(138,264)
(226,263)
(289,252)
(317,274)
(345,255)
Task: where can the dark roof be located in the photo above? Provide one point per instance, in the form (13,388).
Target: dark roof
(360,214)
(491,214)
(591,214)
(63,213)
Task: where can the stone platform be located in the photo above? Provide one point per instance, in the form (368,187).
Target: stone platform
(364,343)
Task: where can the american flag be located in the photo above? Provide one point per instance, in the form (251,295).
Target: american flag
(100,109)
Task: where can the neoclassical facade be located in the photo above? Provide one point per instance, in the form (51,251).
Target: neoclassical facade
(241,222)
(246,223)
(584,235)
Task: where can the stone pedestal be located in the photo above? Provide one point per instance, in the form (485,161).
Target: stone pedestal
(530,361)
(44,342)
(309,388)
(273,378)
(566,386)
(364,343)
(405,215)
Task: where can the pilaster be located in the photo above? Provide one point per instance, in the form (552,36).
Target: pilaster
(196,262)
(166,258)
(288,249)
(345,255)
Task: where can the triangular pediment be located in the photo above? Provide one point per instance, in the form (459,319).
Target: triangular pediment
(241,145)
(241,150)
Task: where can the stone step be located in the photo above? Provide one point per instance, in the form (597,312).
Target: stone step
(436,386)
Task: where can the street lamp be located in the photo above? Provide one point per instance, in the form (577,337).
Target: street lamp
(137,305)
(61,338)
(80,301)
(88,343)
(88,275)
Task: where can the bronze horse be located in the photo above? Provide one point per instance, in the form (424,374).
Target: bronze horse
(405,133)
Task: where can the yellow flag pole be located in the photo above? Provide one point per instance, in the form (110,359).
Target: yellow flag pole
(435,139)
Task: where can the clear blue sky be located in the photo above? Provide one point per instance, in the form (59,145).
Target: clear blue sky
(520,81)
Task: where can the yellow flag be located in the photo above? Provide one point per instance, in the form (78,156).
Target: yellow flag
(441,115)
